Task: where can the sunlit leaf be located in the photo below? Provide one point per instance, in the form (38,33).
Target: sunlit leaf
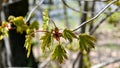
(117,3)
(1,37)
(20,24)
(4,24)
(45,19)
(69,35)
(18,21)
(82,45)
(59,53)
(114,18)
(34,25)
(86,41)
(3,31)
(22,28)
(46,40)
(27,44)
(19,29)
(11,18)
(29,31)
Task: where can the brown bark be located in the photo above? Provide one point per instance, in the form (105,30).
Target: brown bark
(92,14)
(83,28)
(17,40)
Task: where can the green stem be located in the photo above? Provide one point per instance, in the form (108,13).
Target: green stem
(37,31)
(53,23)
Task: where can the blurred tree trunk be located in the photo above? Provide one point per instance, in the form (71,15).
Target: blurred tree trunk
(84,16)
(19,58)
(92,14)
(1,66)
(91,25)
(83,28)
(0,10)
(66,16)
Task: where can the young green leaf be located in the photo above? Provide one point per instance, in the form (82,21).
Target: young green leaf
(1,37)
(27,44)
(22,28)
(47,40)
(86,41)
(34,25)
(18,21)
(29,31)
(59,53)
(11,18)
(67,34)
(117,3)
(114,18)
(45,19)
(82,45)
(20,24)
(3,30)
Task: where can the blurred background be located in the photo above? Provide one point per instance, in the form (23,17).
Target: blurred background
(66,14)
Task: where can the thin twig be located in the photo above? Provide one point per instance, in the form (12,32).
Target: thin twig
(78,55)
(92,14)
(96,0)
(106,63)
(39,3)
(98,24)
(53,23)
(95,15)
(69,6)
(43,64)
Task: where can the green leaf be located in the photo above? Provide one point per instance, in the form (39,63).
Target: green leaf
(86,41)
(45,19)
(47,40)
(29,31)
(34,25)
(20,24)
(117,3)
(67,34)
(27,44)
(3,31)
(22,28)
(4,24)
(59,53)
(18,21)
(81,45)
(1,37)
(11,18)
(114,18)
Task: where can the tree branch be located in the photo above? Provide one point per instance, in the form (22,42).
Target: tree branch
(39,3)
(78,55)
(106,63)
(96,0)
(98,24)
(43,64)
(95,15)
(53,23)
(69,6)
